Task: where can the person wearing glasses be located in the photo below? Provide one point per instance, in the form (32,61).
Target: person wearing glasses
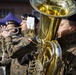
(17,51)
(6,61)
(67,39)
(2,68)
(10,24)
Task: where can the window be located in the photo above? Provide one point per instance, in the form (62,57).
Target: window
(36,13)
(4,12)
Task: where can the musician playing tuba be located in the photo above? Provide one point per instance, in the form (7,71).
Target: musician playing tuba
(66,37)
(49,59)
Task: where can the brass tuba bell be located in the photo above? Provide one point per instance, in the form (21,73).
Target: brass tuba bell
(49,59)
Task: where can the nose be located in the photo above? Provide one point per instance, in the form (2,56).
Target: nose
(21,23)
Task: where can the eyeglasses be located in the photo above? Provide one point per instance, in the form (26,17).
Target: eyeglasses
(23,17)
(9,22)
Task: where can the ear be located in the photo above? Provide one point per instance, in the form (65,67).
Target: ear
(72,28)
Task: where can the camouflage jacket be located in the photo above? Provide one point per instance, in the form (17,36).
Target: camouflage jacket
(4,53)
(20,48)
(1,45)
(17,50)
(5,60)
(68,45)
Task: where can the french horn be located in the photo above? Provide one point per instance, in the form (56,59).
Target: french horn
(49,58)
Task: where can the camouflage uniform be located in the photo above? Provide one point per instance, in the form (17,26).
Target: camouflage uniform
(1,38)
(4,53)
(68,45)
(6,61)
(16,51)
(1,43)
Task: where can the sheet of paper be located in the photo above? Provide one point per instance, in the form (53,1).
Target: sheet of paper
(30,22)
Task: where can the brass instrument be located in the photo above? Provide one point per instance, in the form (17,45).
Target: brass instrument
(31,32)
(6,29)
(49,59)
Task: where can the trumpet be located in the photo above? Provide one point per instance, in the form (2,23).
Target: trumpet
(31,32)
(7,29)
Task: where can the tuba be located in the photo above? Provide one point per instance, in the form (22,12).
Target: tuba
(49,57)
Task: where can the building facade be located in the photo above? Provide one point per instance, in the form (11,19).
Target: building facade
(18,7)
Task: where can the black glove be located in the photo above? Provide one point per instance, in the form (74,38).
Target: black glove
(26,58)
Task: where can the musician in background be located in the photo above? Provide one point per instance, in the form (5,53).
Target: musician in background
(1,40)
(6,61)
(17,51)
(67,39)
(2,68)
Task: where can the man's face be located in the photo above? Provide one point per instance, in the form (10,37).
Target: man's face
(23,24)
(11,26)
(64,28)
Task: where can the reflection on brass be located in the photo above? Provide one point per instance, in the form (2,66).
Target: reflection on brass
(31,32)
(6,29)
(53,10)
(16,28)
(49,25)
(49,59)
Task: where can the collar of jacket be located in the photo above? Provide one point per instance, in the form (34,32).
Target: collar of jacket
(68,41)
(24,32)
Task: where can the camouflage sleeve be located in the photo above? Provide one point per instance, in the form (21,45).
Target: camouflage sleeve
(4,55)
(2,45)
(18,50)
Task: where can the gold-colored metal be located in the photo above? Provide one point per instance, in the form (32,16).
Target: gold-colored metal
(31,32)
(6,29)
(49,59)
